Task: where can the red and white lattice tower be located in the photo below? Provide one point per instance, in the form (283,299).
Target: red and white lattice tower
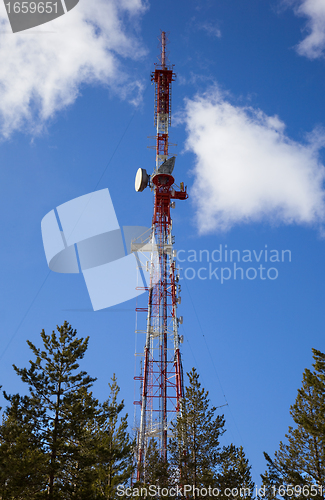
(161,376)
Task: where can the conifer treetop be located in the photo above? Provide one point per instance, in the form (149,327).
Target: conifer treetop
(57,363)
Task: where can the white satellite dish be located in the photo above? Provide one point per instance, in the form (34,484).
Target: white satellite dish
(141,179)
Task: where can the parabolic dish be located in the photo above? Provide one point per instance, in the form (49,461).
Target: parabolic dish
(141,179)
(168,166)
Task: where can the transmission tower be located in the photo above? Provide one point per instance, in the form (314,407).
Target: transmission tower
(161,376)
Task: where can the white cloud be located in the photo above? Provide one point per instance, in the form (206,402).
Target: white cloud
(248,170)
(42,69)
(313,45)
(211,29)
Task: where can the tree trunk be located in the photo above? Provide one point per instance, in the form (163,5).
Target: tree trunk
(54,445)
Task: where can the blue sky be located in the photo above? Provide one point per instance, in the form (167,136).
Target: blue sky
(76,110)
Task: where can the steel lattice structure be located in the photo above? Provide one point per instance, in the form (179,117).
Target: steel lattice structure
(162,377)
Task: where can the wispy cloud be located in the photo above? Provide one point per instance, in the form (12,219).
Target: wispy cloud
(248,170)
(313,45)
(42,70)
(211,29)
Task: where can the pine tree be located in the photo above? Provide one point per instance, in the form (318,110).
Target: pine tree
(156,469)
(50,424)
(235,474)
(115,449)
(300,461)
(81,448)
(195,448)
(59,442)
(22,465)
